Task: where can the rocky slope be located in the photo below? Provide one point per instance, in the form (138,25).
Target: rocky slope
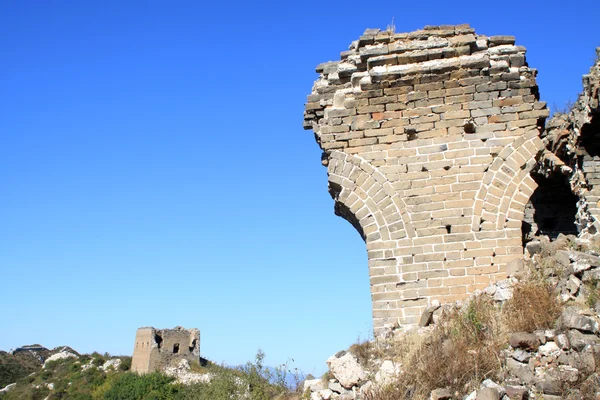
(535,335)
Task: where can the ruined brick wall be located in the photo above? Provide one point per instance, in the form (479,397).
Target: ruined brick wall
(573,150)
(156,349)
(428,139)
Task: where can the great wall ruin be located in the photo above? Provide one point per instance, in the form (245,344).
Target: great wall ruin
(438,152)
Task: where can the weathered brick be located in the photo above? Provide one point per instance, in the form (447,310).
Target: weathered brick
(420,147)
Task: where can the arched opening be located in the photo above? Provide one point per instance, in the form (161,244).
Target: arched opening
(158,339)
(341,210)
(551,210)
(176,348)
(192,347)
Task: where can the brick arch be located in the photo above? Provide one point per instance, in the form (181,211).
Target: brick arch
(507,185)
(367,194)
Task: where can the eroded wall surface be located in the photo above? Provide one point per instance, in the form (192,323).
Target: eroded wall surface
(428,139)
(156,349)
(573,150)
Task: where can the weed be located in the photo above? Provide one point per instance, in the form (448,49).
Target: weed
(533,306)
(462,350)
(391,28)
(363,351)
(593,290)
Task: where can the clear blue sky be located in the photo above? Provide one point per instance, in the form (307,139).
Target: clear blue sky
(154,170)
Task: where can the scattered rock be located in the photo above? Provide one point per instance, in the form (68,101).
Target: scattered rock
(60,356)
(334,386)
(521,355)
(563,342)
(441,394)
(562,257)
(387,372)
(520,371)
(8,388)
(346,370)
(549,349)
(534,247)
(488,393)
(517,392)
(113,363)
(580,340)
(427,316)
(325,394)
(524,340)
(571,318)
(183,374)
(515,267)
(548,387)
(314,385)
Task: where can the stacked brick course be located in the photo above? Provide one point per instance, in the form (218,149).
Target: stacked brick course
(428,139)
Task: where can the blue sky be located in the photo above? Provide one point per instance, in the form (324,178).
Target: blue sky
(154,169)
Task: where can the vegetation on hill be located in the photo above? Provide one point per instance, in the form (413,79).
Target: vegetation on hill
(88,378)
(16,366)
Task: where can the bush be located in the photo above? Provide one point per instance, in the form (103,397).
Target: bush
(363,351)
(125,364)
(533,306)
(462,350)
(131,386)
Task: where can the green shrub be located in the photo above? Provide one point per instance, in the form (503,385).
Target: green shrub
(125,364)
(131,386)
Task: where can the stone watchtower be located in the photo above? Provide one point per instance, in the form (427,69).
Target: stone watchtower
(428,139)
(156,349)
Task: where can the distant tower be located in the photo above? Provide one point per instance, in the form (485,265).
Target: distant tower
(156,349)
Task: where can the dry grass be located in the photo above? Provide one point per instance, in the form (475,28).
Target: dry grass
(533,306)
(364,351)
(462,350)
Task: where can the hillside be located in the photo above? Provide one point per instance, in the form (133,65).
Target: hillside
(67,375)
(24,360)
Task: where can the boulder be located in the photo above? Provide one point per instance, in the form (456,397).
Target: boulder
(314,385)
(490,390)
(562,341)
(441,394)
(427,316)
(488,393)
(568,373)
(488,383)
(113,363)
(549,349)
(517,392)
(524,340)
(521,355)
(387,372)
(520,371)
(515,267)
(562,258)
(534,247)
(503,294)
(583,261)
(60,356)
(571,318)
(335,386)
(549,387)
(346,370)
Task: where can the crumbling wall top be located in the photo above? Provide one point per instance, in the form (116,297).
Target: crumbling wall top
(428,139)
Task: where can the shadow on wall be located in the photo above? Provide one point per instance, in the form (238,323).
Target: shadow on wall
(552,208)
